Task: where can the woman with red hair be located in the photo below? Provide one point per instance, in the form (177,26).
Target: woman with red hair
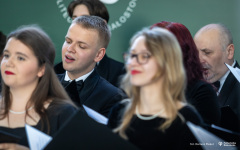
(199,93)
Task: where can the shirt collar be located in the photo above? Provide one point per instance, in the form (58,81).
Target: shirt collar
(84,77)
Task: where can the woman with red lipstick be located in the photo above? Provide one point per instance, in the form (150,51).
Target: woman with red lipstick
(31,92)
(199,93)
(155,116)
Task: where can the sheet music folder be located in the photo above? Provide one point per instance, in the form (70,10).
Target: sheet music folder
(82,132)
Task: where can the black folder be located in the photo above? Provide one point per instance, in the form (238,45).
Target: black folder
(229,119)
(82,132)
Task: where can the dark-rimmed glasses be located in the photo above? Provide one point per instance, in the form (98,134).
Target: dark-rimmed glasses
(142,58)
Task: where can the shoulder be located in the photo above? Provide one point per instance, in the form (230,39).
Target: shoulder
(200,91)
(58,68)
(120,105)
(116,113)
(61,109)
(61,76)
(115,67)
(113,61)
(190,114)
(201,85)
(108,86)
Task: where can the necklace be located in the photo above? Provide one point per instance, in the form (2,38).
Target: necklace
(148,118)
(21,112)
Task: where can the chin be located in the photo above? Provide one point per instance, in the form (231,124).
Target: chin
(138,84)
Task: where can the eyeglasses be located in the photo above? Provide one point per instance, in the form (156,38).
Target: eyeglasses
(142,58)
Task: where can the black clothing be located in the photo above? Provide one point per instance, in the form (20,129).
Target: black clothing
(204,98)
(108,68)
(111,70)
(146,135)
(96,93)
(229,96)
(217,84)
(57,115)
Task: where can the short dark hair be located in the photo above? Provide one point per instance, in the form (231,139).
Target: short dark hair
(95,8)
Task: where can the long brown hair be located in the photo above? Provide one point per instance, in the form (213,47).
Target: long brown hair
(165,48)
(48,87)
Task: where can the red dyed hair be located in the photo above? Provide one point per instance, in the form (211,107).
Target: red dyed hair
(190,53)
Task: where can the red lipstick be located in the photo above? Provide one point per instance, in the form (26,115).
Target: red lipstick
(133,72)
(9,73)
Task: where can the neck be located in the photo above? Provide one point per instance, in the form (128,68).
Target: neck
(151,99)
(76,74)
(20,97)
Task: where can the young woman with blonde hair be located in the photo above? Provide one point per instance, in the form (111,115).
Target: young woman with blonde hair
(156,114)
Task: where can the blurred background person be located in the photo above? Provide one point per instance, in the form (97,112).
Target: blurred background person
(156,114)
(199,93)
(31,92)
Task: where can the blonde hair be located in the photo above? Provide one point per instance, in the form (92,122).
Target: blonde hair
(165,48)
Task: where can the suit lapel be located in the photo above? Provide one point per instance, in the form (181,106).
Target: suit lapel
(70,88)
(227,87)
(88,86)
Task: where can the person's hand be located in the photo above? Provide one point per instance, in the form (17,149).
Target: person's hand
(12,146)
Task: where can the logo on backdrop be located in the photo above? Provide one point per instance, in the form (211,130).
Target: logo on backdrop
(109,1)
(113,25)
(63,10)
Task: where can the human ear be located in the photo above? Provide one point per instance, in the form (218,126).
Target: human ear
(41,71)
(230,51)
(100,54)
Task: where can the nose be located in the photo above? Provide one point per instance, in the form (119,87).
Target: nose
(9,62)
(71,48)
(201,57)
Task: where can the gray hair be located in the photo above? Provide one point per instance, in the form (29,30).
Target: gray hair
(225,36)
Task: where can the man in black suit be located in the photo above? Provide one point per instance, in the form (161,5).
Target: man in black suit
(215,45)
(85,45)
(107,68)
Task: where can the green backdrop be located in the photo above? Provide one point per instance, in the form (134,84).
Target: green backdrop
(126,18)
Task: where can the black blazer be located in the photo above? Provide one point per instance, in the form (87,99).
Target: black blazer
(108,68)
(96,93)
(111,70)
(230,96)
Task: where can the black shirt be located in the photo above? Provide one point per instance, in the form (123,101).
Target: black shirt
(146,135)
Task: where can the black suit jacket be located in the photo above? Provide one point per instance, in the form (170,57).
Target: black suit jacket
(96,93)
(108,68)
(229,96)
